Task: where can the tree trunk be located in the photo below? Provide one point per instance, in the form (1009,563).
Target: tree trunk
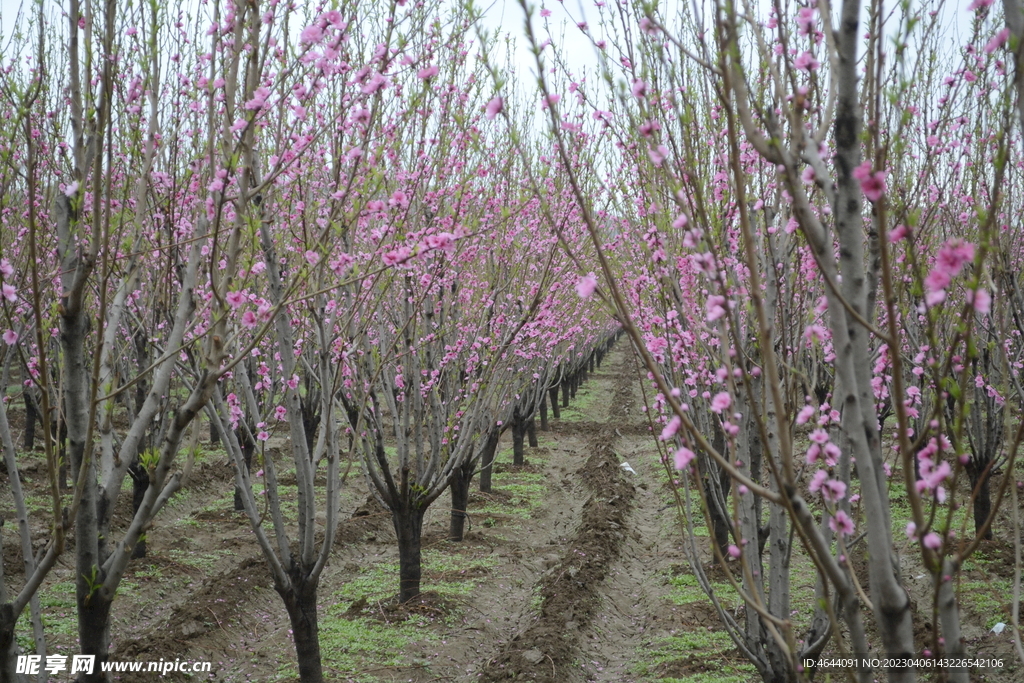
(408,527)
(248,447)
(565,393)
(59,432)
(531,432)
(214,434)
(555,411)
(574,383)
(8,645)
(31,415)
(544,412)
(977,471)
(518,432)
(590,362)
(310,421)
(716,482)
(94,631)
(460,500)
(719,518)
(140,482)
(302,613)
(487,458)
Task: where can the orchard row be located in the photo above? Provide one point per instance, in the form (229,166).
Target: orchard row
(346,226)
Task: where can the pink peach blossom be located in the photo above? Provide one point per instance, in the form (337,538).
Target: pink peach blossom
(586,286)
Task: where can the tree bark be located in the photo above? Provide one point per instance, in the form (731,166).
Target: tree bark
(518,432)
(140,483)
(487,458)
(408,527)
(978,471)
(531,432)
(1014,14)
(716,490)
(248,447)
(310,421)
(59,431)
(719,519)
(555,411)
(544,412)
(460,500)
(31,415)
(949,618)
(565,393)
(8,645)
(300,602)
(94,631)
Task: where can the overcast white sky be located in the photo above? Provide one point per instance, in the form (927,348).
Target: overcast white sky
(507,16)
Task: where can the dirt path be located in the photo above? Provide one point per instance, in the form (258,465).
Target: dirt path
(634,607)
(605,599)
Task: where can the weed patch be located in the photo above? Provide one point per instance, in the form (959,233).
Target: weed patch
(447,574)
(693,656)
(580,408)
(353,646)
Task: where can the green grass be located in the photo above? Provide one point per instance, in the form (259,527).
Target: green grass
(352,646)
(181,499)
(206,453)
(581,408)
(225,501)
(149,571)
(696,646)
(713,649)
(988,598)
(59,613)
(532,456)
(714,677)
(543,440)
(43,504)
(525,490)
(536,599)
(686,590)
(205,561)
(444,572)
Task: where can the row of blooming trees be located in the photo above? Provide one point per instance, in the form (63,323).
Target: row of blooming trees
(285,222)
(806,226)
(313,225)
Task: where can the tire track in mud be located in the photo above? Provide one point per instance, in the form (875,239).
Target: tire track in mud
(573,590)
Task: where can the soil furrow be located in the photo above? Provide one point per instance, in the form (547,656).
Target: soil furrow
(572,589)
